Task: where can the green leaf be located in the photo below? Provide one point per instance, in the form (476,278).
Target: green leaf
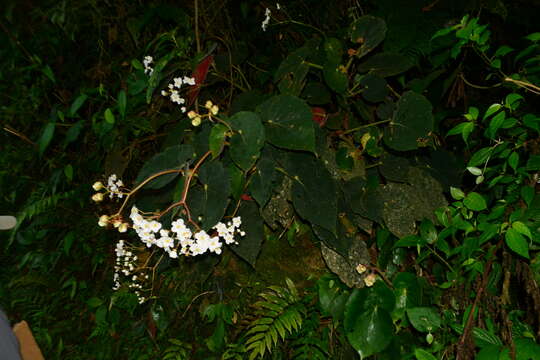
(480,157)
(334,77)
(407,293)
(503,50)
(491,110)
(94,302)
(533,163)
(109,117)
(249,246)
(216,183)
(424,319)
(288,123)
(314,191)
(374,88)
(46,137)
(495,124)
(68,172)
(367,31)
(370,330)
(248,138)
(513,160)
(493,352)
(79,101)
(527,349)
(174,157)
(475,201)
(517,243)
(261,181)
(422,354)
(153,82)
(474,170)
(122,103)
(512,101)
(292,71)
(73,133)
(412,122)
(527,194)
(533,37)
(472,113)
(216,140)
(386,64)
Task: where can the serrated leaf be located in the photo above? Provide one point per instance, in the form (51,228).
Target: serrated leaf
(368,31)
(475,201)
(288,124)
(412,122)
(517,243)
(174,157)
(247,140)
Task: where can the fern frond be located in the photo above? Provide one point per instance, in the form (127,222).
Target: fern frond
(277,315)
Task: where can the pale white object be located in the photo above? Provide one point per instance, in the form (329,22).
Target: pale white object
(7,222)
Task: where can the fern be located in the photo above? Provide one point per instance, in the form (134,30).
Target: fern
(179,350)
(277,315)
(310,344)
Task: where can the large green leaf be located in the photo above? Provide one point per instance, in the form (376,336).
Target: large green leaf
(475,201)
(288,123)
(424,319)
(517,242)
(370,331)
(335,78)
(249,246)
(216,187)
(292,71)
(368,31)
(411,124)
(386,64)
(314,192)
(248,138)
(407,292)
(261,181)
(174,157)
(374,88)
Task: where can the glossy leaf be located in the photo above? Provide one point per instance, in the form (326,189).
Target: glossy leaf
(516,242)
(370,330)
(475,201)
(424,319)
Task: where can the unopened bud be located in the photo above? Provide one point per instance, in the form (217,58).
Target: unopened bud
(214,110)
(191,114)
(370,280)
(361,268)
(123,227)
(103,220)
(208,104)
(196,121)
(98,185)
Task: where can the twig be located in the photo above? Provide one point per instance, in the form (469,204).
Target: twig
(193,300)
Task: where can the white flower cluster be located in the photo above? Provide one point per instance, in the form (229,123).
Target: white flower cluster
(125,265)
(174,88)
(148,69)
(113,188)
(181,239)
(266,20)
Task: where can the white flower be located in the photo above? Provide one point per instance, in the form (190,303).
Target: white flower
(266,20)
(172,254)
(183,109)
(178,82)
(177,99)
(155,226)
(189,80)
(215,245)
(164,93)
(237,221)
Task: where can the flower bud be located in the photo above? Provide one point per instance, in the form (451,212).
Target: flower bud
(196,121)
(191,114)
(361,268)
(123,227)
(214,110)
(103,220)
(97,197)
(98,185)
(370,280)
(208,104)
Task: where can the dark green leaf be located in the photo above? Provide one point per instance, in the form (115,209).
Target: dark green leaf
(335,78)
(262,179)
(122,103)
(374,88)
(174,157)
(79,101)
(386,64)
(422,354)
(288,123)
(46,137)
(216,140)
(249,246)
(412,122)
(367,31)
(370,330)
(314,192)
(216,183)
(248,138)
